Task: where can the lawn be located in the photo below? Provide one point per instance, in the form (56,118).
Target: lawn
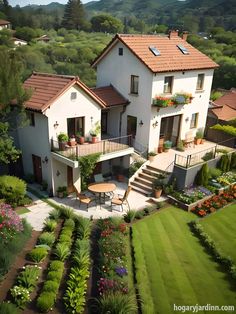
(21,211)
(221,227)
(173,268)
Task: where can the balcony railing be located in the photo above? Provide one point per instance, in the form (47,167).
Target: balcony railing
(103,147)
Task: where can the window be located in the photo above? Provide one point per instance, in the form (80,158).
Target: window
(120,52)
(73,95)
(193,122)
(134,84)
(75,125)
(200,81)
(183,49)
(155,51)
(30,117)
(168,83)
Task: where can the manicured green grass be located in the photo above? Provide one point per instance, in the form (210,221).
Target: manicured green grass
(221,227)
(22,211)
(173,268)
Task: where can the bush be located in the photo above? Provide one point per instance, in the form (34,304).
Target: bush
(37,254)
(50,225)
(129,216)
(45,301)
(139,214)
(8,308)
(69,223)
(20,296)
(214,173)
(47,238)
(12,189)
(233,161)
(51,286)
(62,251)
(65,238)
(202,176)
(54,214)
(25,201)
(55,275)
(224,163)
(28,277)
(56,266)
(66,212)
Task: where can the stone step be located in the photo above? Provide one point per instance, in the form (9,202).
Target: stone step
(155,170)
(140,190)
(154,174)
(147,183)
(142,187)
(147,177)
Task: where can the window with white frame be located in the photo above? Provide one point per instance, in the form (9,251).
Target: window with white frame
(200,81)
(168,84)
(194,121)
(134,84)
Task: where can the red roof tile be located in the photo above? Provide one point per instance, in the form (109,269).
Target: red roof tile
(170,59)
(110,96)
(225,106)
(46,88)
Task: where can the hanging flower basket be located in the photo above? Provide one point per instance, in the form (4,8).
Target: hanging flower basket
(162,102)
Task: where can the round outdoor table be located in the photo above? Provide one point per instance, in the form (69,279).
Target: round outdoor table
(101,188)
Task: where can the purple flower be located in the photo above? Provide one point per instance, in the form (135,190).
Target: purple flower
(121,271)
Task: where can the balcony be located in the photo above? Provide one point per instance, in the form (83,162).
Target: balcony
(117,147)
(176,100)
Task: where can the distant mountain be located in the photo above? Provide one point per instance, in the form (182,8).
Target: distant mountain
(47,7)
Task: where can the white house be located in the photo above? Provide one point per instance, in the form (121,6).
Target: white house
(63,104)
(19,42)
(4,24)
(144,67)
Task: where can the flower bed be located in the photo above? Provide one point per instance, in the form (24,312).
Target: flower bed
(190,198)
(215,202)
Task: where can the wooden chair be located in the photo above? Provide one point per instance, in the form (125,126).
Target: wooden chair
(83,198)
(120,200)
(189,139)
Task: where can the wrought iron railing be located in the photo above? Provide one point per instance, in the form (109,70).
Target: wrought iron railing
(103,147)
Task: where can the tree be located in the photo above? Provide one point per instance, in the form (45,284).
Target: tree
(106,23)
(10,90)
(74,15)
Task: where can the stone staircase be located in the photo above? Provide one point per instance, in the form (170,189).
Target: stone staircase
(143,181)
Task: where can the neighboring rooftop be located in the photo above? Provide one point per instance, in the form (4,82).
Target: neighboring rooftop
(46,88)
(170,57)
(110,96)
(4,22)
(225,106)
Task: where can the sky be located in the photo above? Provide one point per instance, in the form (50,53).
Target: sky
(26,2)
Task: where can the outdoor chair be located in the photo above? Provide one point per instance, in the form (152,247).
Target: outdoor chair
(84,199)
(119,200)
(189,139)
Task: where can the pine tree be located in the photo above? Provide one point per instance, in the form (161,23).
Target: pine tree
(74,15)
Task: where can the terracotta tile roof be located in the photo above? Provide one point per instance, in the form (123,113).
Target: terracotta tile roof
(225,106)
(171,57)
(110,96)
(4,22)
(46,88)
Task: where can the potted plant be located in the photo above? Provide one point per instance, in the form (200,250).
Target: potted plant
(72,140)
(158,185)
(198,137)
(62,139)
(95,132)
(151,156)
(167,146)
(62,191)
(80,138)
(180,146)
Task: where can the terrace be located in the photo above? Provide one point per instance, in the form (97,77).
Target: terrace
(121,144)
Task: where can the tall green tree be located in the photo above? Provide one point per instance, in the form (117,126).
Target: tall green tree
(11,91)
(74,15)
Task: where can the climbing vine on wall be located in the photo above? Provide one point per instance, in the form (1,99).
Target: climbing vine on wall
(87,165)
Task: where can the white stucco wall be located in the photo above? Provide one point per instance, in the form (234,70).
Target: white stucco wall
(117,70)
(34,140)
(113,121)
(64,107)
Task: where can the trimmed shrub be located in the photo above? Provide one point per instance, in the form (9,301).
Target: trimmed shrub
(45,301)
(233,161)
(65,238)
(62,251)
(50,225)
(12,189)
(55,275)
(214,173)
(69,223)
(224,163)
(8,308)
(129,216)
(37,254)
(202,176)
(44,246)
(56,266)
(47,238)
(139,214)
(51,286)
(66,212)
(54,214)
(28,277)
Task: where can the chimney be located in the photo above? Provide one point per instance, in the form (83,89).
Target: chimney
(173,33)
(185,35)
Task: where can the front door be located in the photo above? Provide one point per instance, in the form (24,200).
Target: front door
(37,166)
(131,125)
(170,128)
(70,186)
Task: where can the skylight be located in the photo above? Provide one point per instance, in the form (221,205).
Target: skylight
(155,51)
(183,49)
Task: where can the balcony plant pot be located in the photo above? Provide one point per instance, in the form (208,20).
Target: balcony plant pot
(157,192)
(81,140)
(94,139)
(160,149)
(72,141)
(198,137)
(202,141)
(158,185)
(151,156)
(62,139)
(197,141)
(167,145)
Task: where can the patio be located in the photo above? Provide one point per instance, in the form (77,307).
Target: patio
(191,156)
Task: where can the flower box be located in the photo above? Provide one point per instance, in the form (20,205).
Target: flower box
(189,207)
(162,102)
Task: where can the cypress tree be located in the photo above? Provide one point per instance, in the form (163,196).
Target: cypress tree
(74,15)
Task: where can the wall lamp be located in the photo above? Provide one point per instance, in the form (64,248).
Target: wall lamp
(56,124)
(91,118)
(45,160)
(58,173)
(141,123)
(187,119)
(155,124)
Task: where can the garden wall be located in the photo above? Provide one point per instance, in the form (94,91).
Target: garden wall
(186,176)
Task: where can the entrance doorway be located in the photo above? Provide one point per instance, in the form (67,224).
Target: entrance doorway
(37,167)
(170,128)
(131,126)
(104,122)
(70,186)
